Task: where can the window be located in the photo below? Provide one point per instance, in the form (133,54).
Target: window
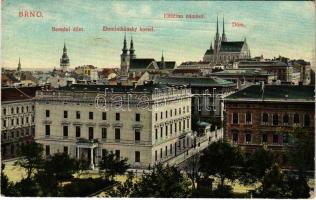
(27,120)
(17,109)
(235,118)
(117,117)
(285,138)
(137,156)
(170,113)
(166,151)
(235,136)
(156,134)
(248,118)
(183,124)
(161,115)
(175,127)
(137,117)
(156,117)
(90,115)
(65,114)
(171,129)
(47,130)
(188,123)
(285,119)
(248,137)
(264,138)
(179,126)
(90,130)
(27,108)
(265,118)
(166,130)
(33,107)
(22,109)
(117,154)
(22,120)
(161,130)
(77,114)
(296,118)
(275,119)
(170,149)
(275,139)
(166,114)
(175,112)
(12,122)
(47,113)
(179,111)
(104,133)
(12,111)
(17,121)
(160,152)
(65,131)
(4,111)
(137,135)
(4,123)
(78,131)
(306,120)
(66,149)
(117,134)
(47,150)
(103,115)
(156,156)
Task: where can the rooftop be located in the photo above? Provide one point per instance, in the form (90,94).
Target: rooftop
(241,72)
(231,46)
(275,92)
(148,87)
(15,94)
(194,81)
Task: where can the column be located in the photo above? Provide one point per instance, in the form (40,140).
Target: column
(91,158)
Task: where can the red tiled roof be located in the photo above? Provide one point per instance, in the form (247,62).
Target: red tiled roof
(14,94)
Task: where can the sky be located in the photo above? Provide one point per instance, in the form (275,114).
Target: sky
(271,29)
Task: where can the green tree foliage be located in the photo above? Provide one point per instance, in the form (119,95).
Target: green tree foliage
(221,160)
(163,182)
(6,185)
(32,158)
(274,184)
(256,165)
(124,189)
(110,166)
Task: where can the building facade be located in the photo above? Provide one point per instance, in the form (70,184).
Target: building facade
(147,124)
(267,115)
(17,119)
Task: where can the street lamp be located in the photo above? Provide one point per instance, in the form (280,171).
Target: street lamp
(214,100)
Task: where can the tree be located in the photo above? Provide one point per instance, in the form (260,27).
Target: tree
(61,166)
(111,166)
(163,182)
(124,189)
(274,184)
(221,160)
(32,158)
(6,185)
(256,165)
(82,164)
(192,169)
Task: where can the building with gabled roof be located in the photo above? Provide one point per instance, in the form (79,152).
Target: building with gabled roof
(224,51)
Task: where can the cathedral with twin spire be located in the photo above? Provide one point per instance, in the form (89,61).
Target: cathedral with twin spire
(224,51)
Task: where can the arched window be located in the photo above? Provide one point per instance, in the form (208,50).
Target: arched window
(235,118)
(235,136)
(275,119)
(296,118)
(285,119)
(306,120)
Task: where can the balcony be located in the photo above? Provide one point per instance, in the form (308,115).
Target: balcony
(120,141)
(117,124)
(104,124)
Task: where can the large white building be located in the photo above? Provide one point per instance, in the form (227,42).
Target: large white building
(147,124)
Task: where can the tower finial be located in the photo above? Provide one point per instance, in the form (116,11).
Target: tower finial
(217,24)
(224,38)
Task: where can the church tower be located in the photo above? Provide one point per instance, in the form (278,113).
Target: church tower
(124,59)
(217,41)
(132,50)
(224,38)
(163,64)
(64,60)
(19,66)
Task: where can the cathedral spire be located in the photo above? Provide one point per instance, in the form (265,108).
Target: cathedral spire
(65,49)
(224,39)
(19,65)
(217,25)
(163,65)
(64,60)
(131,49)
(124,45)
